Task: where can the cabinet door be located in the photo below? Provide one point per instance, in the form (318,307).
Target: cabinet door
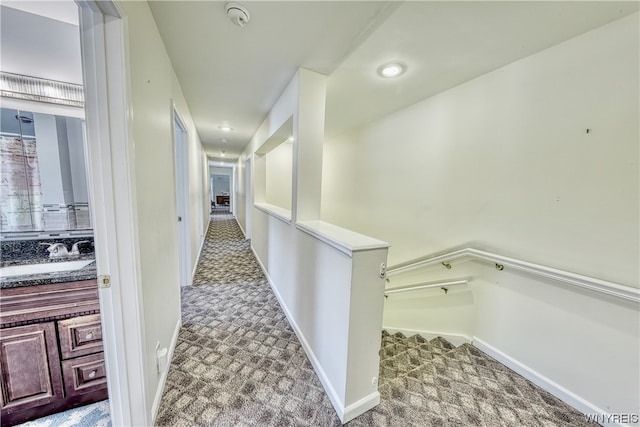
(29,367)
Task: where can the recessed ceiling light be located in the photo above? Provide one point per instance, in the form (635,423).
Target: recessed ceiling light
(224,141)
(393,69)
(225,128)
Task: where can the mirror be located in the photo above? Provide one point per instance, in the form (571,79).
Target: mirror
(43,182)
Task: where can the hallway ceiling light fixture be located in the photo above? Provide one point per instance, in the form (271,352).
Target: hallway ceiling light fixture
(392,69)
(225,128)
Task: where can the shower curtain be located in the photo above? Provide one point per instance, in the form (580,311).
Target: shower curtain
(20,190)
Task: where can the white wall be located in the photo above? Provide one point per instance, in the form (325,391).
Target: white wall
(504,162)
(40,47)
(75,138)
(48,158)
(279,175)
(220,184)
(215,170)
(155,90)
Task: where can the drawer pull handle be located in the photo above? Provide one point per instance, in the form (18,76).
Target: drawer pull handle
(92,374)
(89,335)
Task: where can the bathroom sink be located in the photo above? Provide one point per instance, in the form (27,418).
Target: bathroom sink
(49,267)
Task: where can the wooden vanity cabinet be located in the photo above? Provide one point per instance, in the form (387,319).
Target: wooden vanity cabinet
(29,366)
(51,356)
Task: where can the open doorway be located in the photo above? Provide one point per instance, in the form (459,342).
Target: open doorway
(222,188)
(53,358)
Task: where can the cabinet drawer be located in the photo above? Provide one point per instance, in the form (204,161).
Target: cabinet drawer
(80,336)
(84,374)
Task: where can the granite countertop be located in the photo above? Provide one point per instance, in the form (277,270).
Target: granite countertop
(85,273)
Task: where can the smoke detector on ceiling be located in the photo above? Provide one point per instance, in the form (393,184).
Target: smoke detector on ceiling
(238,14)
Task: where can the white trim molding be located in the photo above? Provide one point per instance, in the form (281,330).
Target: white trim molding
(540,380)
(342,239)
(337,403)
(455,339)
(204,239)
(165,372)
(111,178)
(275,211)
(360,407)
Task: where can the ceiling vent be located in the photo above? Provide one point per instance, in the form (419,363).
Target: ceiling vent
(238,14)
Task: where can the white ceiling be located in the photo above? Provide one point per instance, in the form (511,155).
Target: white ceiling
(60,10)
(232,75)
(447,43)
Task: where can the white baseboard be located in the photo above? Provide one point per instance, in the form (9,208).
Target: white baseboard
(360,407)
(354,409)
(204,238)
(541,381)
(163,377)
(244,234)
(455,339)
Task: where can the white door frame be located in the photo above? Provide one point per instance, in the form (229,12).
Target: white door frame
(181,146)
(232,191)
(231,185)
(248,197)
(111,179)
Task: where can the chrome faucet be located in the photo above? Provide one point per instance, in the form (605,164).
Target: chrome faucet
(57,250)
(75,250)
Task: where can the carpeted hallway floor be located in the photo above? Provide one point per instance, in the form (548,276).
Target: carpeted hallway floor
(239,363)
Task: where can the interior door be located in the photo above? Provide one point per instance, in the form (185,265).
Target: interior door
(182,202)
(29,367)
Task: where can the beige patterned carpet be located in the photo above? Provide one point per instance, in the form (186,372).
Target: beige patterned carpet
(239,363)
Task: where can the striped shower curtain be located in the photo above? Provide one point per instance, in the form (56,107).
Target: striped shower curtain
(20,190)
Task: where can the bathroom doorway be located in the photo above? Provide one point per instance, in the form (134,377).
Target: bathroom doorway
(46,228)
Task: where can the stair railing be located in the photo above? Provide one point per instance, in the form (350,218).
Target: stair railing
(442,284)
(502,262)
